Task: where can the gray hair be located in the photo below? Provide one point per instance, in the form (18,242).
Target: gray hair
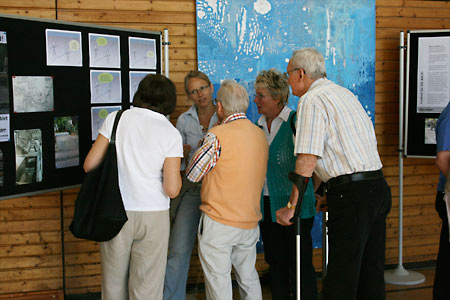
(276,83)
(311,61)
(233,96)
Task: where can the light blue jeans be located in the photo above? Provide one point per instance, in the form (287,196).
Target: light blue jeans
(221,247)
(181,242)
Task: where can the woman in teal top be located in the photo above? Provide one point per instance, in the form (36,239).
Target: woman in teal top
(272,93)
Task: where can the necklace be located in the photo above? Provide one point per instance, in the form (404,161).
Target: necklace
(204,119)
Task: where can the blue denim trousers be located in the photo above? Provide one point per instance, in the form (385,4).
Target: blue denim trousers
(181,242)
(441,288)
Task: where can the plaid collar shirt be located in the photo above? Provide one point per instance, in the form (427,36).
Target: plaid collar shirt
(206,157)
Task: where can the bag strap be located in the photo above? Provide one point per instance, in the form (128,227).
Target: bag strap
(116,122)
(292,120)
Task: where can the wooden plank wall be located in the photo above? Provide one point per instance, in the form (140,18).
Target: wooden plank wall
(421,223)
(31,245)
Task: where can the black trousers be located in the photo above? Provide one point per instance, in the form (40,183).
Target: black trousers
(280,254)
(441,286)
(357,233)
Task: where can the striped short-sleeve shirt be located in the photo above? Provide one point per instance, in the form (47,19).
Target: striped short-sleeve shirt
(333,125)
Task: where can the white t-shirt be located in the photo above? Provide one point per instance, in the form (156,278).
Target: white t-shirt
(144,139)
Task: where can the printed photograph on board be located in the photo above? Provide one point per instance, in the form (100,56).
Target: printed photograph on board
(142,53)
(28,144)
(4,89)
(430,130)
(104,51)
(32,93)
(63,48)
(4,128)
(106,86)
(98,115)
(67,151)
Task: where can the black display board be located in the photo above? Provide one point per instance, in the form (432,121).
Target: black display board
(416,123)
(27,56)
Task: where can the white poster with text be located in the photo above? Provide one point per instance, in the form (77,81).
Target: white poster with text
(433,74)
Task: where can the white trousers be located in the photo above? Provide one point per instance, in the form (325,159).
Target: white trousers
(134,261)
(221,247)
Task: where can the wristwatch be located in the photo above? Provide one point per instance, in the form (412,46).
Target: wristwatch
(290,206)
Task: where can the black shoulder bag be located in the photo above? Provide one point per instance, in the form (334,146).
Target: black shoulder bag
(99,212)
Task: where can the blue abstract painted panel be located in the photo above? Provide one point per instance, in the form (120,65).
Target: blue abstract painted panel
(236,39)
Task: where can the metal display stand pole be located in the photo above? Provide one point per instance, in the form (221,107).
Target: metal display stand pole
(166,44)
(400,275)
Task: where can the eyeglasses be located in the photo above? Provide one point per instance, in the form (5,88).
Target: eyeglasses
(287,73)
(260,96)
(200,89)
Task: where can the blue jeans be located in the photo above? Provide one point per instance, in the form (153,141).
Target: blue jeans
(221,247)
(441,289)
(181,242)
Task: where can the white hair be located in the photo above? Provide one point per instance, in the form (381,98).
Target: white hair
(233,96)
(311,61)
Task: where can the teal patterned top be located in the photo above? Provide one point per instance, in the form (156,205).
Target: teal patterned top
(281,162)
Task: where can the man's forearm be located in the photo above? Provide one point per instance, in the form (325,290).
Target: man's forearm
(204,159)
(305,164)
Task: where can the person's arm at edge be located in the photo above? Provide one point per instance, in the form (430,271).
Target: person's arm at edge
(316,181)
(171,176)
(180,126)
(204,159)
(442,162)
(96,154)
(304,165)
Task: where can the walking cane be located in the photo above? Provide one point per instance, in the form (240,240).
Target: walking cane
(301,183)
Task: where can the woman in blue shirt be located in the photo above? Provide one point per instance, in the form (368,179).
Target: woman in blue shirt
(193,125)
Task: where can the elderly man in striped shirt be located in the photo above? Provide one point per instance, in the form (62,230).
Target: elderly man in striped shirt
(336,141)
(232,162)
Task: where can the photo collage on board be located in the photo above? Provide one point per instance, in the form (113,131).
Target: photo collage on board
(106,83)
(4,100)
(31,154)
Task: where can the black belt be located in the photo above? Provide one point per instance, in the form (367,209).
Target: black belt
(344,179)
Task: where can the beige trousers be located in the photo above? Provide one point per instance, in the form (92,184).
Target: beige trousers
(134,261)
(221,247)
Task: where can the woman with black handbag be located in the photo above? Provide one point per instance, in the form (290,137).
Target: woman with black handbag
(149,151)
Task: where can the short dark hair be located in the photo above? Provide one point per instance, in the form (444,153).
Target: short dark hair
(156,92)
